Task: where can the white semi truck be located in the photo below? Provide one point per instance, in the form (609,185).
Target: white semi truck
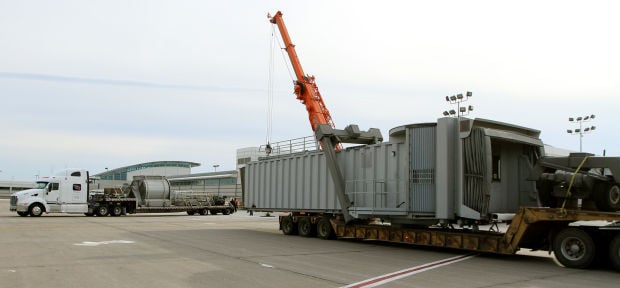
(68,191)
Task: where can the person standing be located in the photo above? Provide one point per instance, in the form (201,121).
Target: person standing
(234,202)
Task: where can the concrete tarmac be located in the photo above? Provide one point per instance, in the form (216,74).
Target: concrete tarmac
(177,250)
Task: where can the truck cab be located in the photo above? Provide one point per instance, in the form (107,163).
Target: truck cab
(66,191)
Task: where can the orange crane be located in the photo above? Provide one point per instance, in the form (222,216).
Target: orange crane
(305,88)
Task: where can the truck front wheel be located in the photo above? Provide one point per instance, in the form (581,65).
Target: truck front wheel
(574,248)
(614,252)
(36,210)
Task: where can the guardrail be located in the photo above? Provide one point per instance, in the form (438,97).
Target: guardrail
(291,146)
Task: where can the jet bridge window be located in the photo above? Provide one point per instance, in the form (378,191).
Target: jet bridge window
(497,169)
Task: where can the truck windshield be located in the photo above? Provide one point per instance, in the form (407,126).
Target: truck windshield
(40,185)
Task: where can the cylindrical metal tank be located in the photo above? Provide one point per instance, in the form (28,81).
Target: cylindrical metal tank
(151,191)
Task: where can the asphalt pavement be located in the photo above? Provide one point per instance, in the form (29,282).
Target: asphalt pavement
(239,250)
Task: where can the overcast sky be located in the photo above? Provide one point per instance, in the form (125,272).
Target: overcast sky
(96,84)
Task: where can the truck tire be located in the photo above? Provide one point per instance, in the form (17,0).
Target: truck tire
(305,227)
(324,229)
(89,214)
(190,212)
(36,210)
(574,248)
(614,252)
(23,214)
(202,211)
(607,197)
(102,210)
(226,212)
(116,210)
(288,226)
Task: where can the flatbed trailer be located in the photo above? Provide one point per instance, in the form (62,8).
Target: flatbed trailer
(105,204)
(576,237)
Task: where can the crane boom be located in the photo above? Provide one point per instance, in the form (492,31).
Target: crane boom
(305,87)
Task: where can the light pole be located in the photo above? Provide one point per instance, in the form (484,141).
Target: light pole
(218,178)
(581,130)
(458,99)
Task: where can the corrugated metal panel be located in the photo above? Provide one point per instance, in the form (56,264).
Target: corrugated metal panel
(422,168)
(298,182)
(375,180)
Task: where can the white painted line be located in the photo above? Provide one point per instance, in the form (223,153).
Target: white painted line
(86,243)
(383,279)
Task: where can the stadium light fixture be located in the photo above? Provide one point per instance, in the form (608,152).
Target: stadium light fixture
(580,131)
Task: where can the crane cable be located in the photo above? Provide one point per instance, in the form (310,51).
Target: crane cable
(270,89)
(270,82)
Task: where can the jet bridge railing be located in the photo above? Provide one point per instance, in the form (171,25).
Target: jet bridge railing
(291,146)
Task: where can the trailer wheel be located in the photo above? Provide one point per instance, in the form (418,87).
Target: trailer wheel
(102,210)
(614,252)
(116,210)
(226,212)
(305,227)
(23,214)
(324,229)
(202,211)
(36,210)
(607,197)
(190,212)
(574,248)
(288,226)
